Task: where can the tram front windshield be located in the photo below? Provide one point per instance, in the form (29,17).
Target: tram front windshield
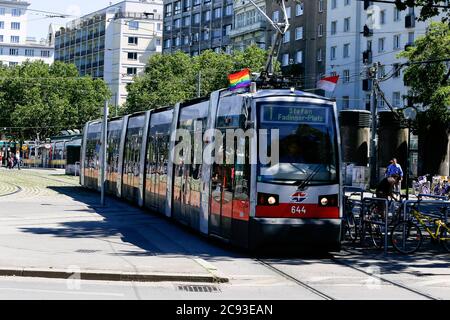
(307,143)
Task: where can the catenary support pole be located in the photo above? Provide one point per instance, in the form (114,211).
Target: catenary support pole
(103,153)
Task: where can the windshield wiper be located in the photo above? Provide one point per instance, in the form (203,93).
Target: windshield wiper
(310,177)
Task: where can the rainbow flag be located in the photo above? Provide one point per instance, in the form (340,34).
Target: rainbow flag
(240,79)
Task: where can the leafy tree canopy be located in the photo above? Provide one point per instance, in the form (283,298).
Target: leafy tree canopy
(428,8)
(37,99)
(171,78)
(429,82)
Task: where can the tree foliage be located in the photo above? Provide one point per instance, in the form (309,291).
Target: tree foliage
(171,78)
(430,82)
(428,8)
(37,99)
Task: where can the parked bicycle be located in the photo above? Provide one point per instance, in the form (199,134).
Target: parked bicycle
(407,238)
(352,213)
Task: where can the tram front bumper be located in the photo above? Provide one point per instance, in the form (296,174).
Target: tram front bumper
(299,234)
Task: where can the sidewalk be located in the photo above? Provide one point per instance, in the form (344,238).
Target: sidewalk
(51,227)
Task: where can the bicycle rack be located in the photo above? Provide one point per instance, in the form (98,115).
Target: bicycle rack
(385,223)
(419,202)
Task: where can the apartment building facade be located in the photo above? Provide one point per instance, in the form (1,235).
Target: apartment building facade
(192,26)
(113,44)
(303,47)
(249,25)
(15,46)
(351,50)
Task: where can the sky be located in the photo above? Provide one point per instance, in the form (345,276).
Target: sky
(38,24)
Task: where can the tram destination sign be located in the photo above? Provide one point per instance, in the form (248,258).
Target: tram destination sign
(294,114)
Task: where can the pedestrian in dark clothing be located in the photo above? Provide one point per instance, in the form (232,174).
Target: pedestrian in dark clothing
(385,188)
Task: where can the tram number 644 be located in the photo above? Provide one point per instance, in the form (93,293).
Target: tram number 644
(298,210)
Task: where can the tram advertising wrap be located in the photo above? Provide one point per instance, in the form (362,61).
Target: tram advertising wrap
(256,169)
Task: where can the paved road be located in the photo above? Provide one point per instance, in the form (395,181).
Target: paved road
(48,221)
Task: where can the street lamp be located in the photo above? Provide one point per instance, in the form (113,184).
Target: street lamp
(410,115)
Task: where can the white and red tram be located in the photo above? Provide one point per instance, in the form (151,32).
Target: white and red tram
(295,202)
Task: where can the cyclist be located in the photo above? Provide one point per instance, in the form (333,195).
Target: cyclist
(385,188)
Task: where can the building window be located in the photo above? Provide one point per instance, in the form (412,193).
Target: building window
(207,15)
(187,5)
(345,102)
(381,45)
(288,12)
(346,76)
(287,37)
(167,43)
(15,25)
(177,23)
(197,18)
(217,13)
(396,99)
(396,70)
(186,40)
(346,2)
(346,24)
(45,54)
(15,39)
(333,4)
(320,30)
(16,12)
(319,55)
(381,71)
(158,26)
(396,42)
(229,10)
(2,25)
(333,27)
(133,40)
(168,10)
(187,21)
(298,33)
(131,71)
(299,9)
(13,52)
(29,52)
(1,38)
(347,50)
(2,11)
(177,7)
(285,60)
(133,25)
(299,57)
(411,37)
(333,53)
(132,56)
(276,16)
(396,14)
(382,16)
(227,29)
(320,5)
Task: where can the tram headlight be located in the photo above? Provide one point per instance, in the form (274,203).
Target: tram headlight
(329,200)
(272,201)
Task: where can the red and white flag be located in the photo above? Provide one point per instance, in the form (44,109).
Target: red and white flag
(328,83)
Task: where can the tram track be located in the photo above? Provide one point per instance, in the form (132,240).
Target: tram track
(391,282)
(295,280)
(18,190)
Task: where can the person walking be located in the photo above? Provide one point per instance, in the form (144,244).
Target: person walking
(17,160)
(395,169)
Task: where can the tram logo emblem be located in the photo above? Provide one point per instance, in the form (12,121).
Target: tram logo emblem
(298,197)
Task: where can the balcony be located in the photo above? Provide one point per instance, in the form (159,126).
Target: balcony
(258,26)
(138,15)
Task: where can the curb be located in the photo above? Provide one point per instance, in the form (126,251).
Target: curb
(112,276)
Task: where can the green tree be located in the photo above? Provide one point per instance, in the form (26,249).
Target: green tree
(430,89)
(171,78)
(428,8)
(39,100)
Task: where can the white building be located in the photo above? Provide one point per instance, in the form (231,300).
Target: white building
(349,51)
(114,43)
(15,47)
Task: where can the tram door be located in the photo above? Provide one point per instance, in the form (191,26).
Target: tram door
(222,200)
